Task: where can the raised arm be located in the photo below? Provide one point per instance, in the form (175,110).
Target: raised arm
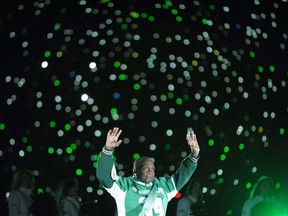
(112,139)
(105,162)
(193,143)
(189,164)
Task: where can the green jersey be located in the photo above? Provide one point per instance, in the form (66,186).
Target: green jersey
(130,194)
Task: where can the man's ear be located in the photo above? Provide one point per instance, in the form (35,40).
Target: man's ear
(134,166)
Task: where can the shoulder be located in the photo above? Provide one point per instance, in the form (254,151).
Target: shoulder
(65,201)
(14,194)
(163,179)
(184,201)
(124,182)
(251,202)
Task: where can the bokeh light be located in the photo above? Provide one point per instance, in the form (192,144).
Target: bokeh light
(70,72)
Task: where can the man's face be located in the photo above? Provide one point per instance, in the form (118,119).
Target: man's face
(146,171)
(196,189)
(26,180)
(266,188)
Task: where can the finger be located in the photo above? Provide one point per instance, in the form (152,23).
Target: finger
(187,136)
(109,133)
(115,131)
(118,134)
(119,142)
(195,137)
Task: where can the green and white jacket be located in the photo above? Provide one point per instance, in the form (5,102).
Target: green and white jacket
(130,194)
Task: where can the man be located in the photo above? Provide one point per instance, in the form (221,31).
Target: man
(143,193)
(20,197)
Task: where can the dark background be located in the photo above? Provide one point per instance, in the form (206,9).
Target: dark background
(229,84)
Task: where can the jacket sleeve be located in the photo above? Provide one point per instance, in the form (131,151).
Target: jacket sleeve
(105,167)
(246,210)
(185,171)
(14,205)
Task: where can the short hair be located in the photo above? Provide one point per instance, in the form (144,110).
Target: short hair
(256,189)
(139,161)
(64,187)
(191,184)
(17,176)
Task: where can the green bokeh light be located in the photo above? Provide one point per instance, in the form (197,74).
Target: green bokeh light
(57,83)
(252,54)
(135,15)
(151,18)
(220,180)
(226,149)
(211,142)
(124,26)
(69,150)
(167,5)
(241,146)
(144,15)
(282,131)
(229,212)
(212,7)
(179,101)
(136,156)
(113,111)
(24,139)
(95,164)
(272,68)
(67,127)
(57,26)
(29,148)
(51,150)
(52,124)
(248,185)
(40,191)
(179,19)
(79,172)
(167,146)
(47,54)
(122,77)
(114,158)
(205,21)
(2,126)
(136,86)
(117,64)
(222,157)
(170,95)
(186,97)
(73,146)
(260,69)
(174,11)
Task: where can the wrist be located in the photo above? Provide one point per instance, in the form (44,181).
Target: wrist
(107,151)
(194,158)
(194,153)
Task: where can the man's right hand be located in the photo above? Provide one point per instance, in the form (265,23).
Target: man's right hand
(112,138)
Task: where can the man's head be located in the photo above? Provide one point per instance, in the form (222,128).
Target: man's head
(264,187)
(23,178)
(144,169)
(195,188)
